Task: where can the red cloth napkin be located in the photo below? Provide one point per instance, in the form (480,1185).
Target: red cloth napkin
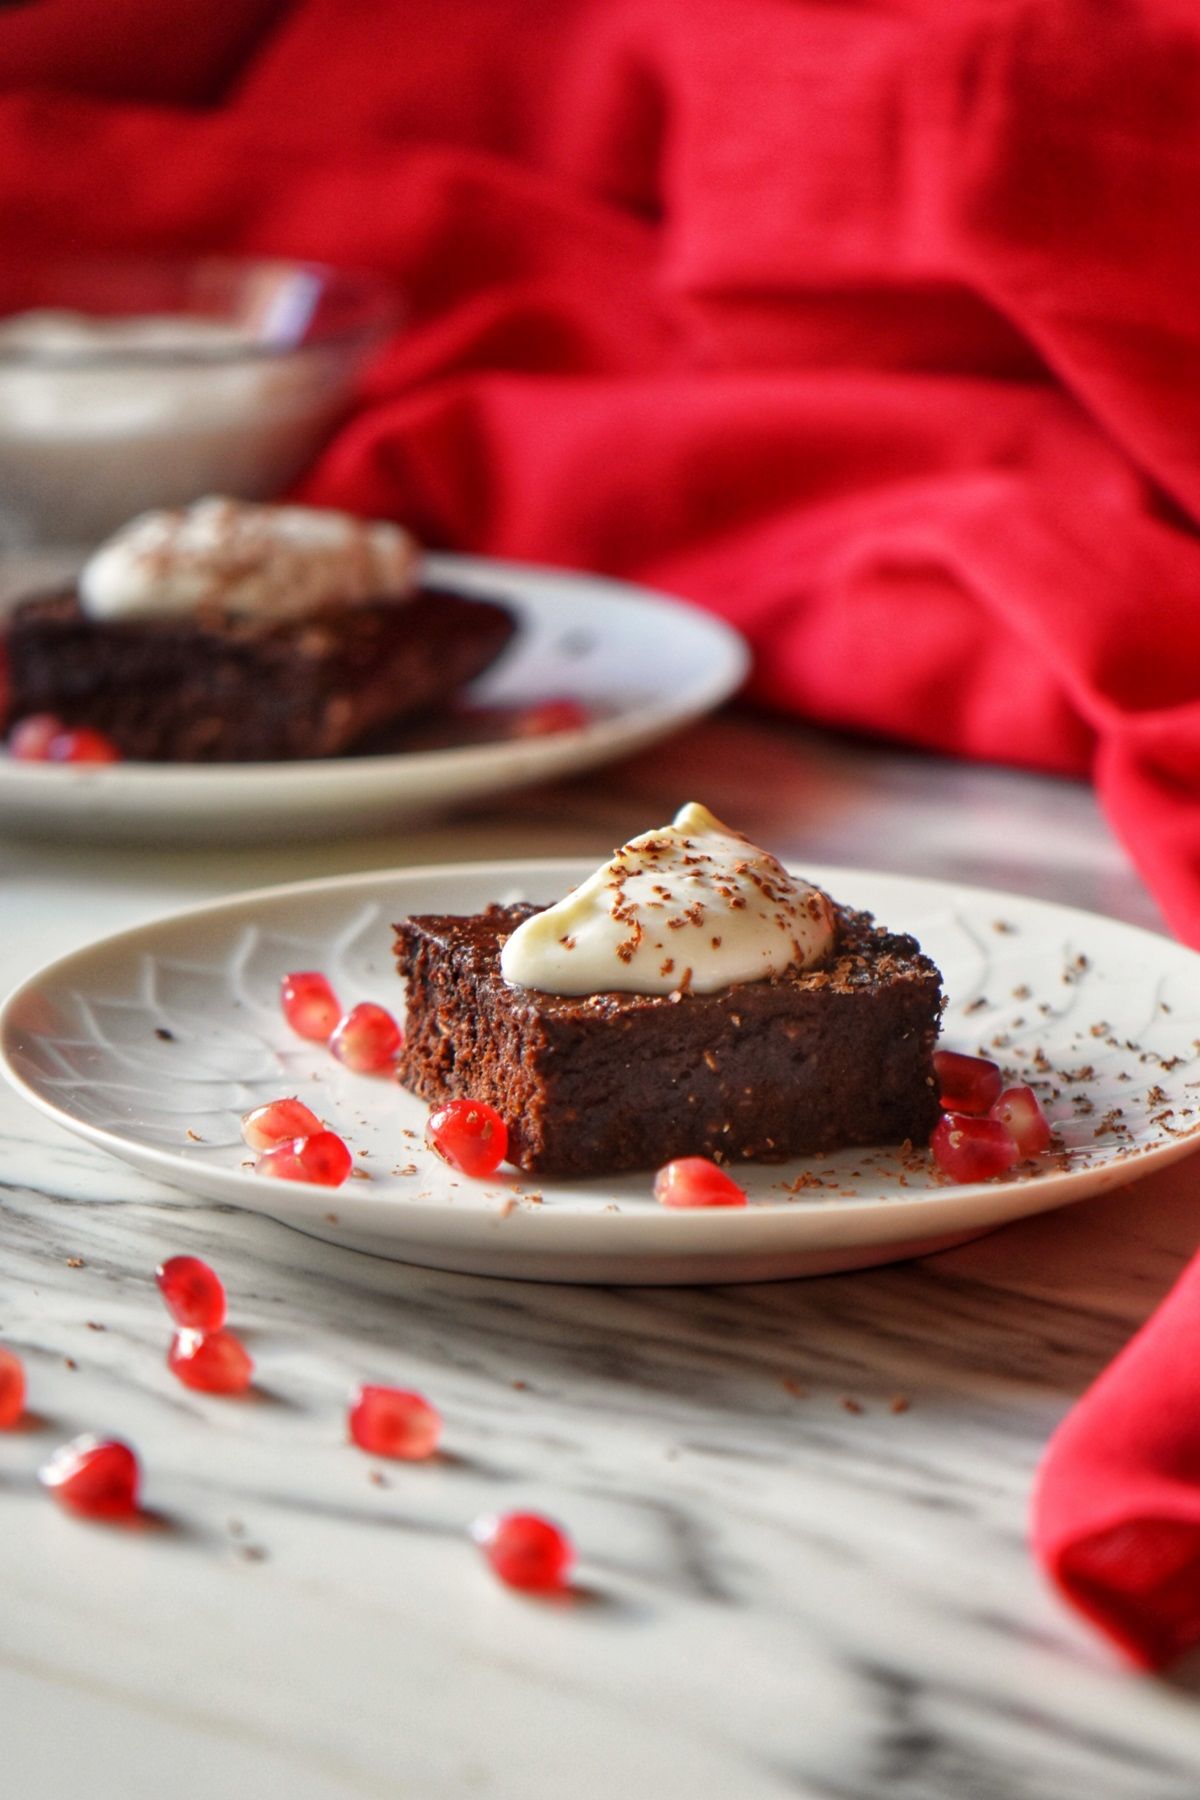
(1116,1515)
(875,329)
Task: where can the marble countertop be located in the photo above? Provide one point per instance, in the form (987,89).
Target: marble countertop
(779,1596)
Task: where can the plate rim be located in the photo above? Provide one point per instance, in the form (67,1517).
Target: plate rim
(727,1224)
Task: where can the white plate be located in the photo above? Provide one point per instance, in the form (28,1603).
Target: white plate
(644,663)
(1115,1009)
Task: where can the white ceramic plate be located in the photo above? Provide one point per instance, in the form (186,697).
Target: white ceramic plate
(1112,1010)
(643,663)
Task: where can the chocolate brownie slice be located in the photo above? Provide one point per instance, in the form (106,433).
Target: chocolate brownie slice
(762,1070)
(214,687)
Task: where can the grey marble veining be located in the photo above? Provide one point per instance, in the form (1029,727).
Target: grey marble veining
(778,1596)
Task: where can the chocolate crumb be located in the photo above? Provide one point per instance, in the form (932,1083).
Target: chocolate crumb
(94,1325)
(167,1037)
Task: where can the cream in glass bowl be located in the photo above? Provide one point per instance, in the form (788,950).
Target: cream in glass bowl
(129,383)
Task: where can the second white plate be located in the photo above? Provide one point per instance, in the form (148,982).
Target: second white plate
(152,1044)
(641,663)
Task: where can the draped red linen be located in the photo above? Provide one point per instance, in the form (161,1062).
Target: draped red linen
(875,329)
(1116,1513)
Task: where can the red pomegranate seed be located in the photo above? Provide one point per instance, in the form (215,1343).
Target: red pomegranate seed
(367,1039)
(694,1181)
(526,1551)
(549,716)
(971,1149)
(193,1293)
(322,1158)
(12,1389)
(95,1477)
(390,1421)
(31,737)
(310,1005)
(967,1084)
(275,1122)
(468,1134)
(81,745)
(215,1362)
(1020,1110)
(281,1162)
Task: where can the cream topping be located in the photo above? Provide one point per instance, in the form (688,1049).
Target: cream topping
(271,560)
(691,907)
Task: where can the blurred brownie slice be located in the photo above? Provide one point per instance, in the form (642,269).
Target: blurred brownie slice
(215,686)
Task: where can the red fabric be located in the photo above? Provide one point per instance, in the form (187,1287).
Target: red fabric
(873,328)
(1116,1516)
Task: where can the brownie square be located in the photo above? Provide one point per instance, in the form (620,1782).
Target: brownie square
(765,1070)
(212,687)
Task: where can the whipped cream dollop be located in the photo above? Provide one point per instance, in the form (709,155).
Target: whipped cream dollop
(246,559)
(688,908)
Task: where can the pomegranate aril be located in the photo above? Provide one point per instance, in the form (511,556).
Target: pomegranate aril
(468,1134)
(193,1292)
(1020,1110)
(277,1122)
(547,717)
(526,1551)
(82,745)
(971,1149)
(367,1039)
(391,1421)
(310,1005)
(215,1362)
(12,1389)
(281,1162)
(322,1158)
(966,1084)
(695,1181)
(95,1477)
(31,737)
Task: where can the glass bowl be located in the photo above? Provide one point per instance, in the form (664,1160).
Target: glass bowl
(127,383)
